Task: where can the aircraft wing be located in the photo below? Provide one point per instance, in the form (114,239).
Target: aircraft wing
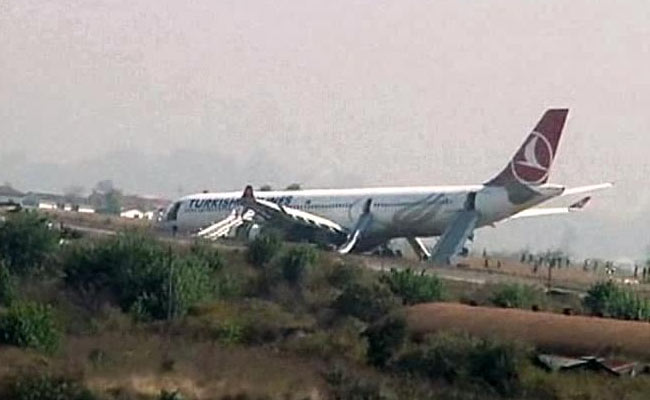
(453,239)
(540,212)
(269,210)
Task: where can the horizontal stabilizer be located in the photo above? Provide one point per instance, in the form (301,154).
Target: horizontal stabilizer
(541,212)
(587,189)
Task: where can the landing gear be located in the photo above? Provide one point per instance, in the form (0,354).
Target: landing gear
(386,251)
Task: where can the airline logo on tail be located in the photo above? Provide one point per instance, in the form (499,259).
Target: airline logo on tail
(532,163)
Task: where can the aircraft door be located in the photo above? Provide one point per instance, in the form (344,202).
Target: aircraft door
(470,202)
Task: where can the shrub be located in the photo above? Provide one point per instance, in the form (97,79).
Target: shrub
(7,285)
(601,296)
(367,303)
(44,387)
(412,287)
(94,269)
(350,386)
(208,253)
(175,395)
(263,248)
(296,262)
(459,357)
(514,295)
(26,242)
(384,339)
(27,324)
(342,275)
(608,299)
(140,274)
(252,321)
(169,292)
(229,285)
(443,356)
(496,364)
(342,340)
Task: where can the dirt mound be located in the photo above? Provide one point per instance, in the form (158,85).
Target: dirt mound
(570,335)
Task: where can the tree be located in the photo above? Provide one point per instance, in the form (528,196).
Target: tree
(73,193)
(26,242)
(265,188)
(113,202)
(293,186)
(104,186)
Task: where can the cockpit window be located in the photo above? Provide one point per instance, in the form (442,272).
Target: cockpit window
(173,211)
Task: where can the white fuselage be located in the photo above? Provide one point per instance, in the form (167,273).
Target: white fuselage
(397,212)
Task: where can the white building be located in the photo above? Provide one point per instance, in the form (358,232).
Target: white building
(132,214)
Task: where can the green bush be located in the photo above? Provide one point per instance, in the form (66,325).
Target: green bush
(252,321)
(367,303)
(263,248)
(343,340)
(342,275)
(140,274)
(610,300)
(296,263)
(44,387)
(169,292)
(7,285)
(208,253)
(514,295)
(384,339)
(175,395)
(443,356)
(26,242)
(412,287)
(28,324)
(462,358)
(344,385)
(497,364)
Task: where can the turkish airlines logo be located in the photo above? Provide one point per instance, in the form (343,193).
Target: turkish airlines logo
(532,164)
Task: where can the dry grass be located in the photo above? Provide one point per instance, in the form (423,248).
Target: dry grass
(143,365)
(570,335)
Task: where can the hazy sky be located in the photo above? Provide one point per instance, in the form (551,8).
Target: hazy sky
(167,97)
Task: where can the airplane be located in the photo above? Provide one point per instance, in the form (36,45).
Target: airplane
(364,219)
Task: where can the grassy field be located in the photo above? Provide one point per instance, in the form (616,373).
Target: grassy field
(139,316)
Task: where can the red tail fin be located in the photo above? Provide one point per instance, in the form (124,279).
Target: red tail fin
(532,162)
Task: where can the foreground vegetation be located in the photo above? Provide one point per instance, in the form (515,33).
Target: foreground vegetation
(131,317)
